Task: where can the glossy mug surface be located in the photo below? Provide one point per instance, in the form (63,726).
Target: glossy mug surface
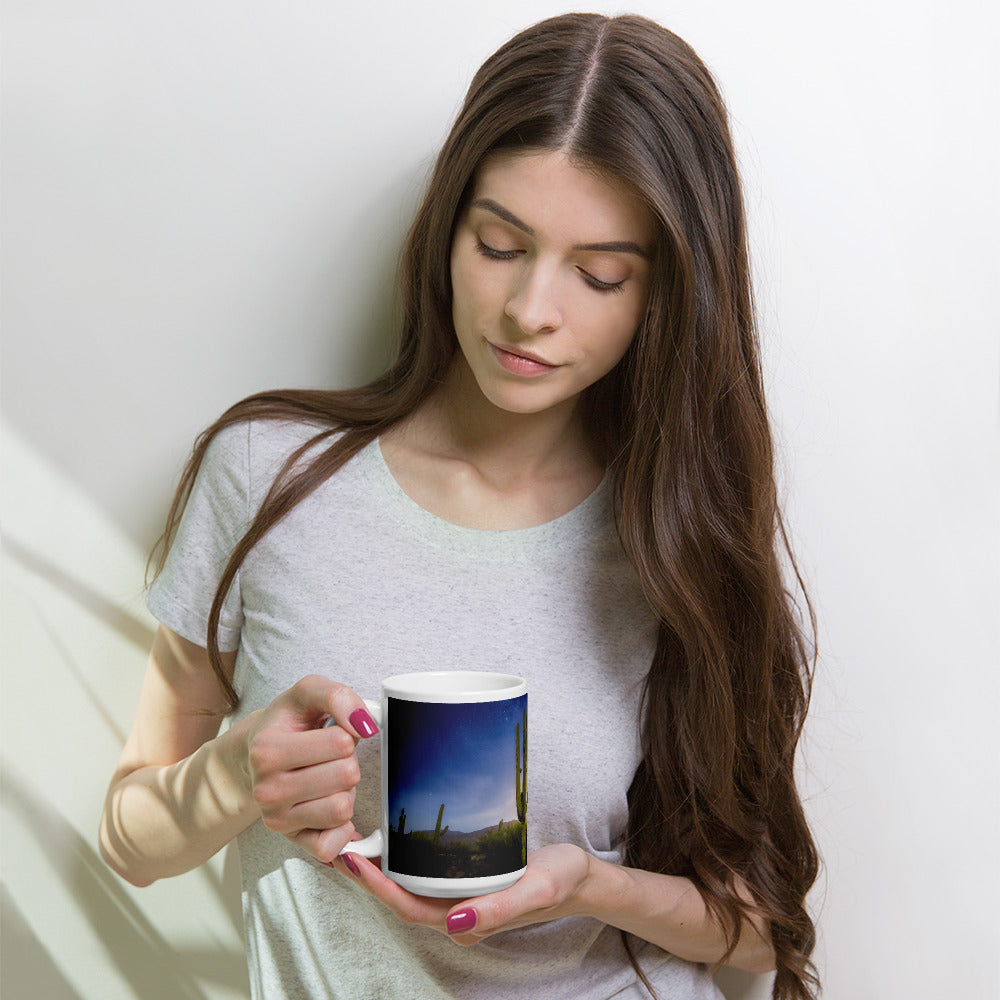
(454,782)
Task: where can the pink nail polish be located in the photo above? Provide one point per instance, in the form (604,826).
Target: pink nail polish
(363,723)
(463,920)
(352,865)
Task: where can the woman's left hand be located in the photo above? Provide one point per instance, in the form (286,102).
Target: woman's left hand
(549,889)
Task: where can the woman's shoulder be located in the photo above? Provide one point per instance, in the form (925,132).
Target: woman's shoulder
(254,450)
(272,438)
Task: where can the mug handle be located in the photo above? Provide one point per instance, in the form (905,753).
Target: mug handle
(372,846)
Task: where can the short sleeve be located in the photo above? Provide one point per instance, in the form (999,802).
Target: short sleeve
(215,518)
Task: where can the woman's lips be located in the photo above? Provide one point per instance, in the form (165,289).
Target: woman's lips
(518,363)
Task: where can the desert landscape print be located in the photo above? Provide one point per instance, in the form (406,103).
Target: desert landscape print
(458,787)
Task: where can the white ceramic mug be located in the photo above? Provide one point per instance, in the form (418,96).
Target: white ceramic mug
(454,782)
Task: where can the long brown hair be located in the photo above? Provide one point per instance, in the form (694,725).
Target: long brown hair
(684,429)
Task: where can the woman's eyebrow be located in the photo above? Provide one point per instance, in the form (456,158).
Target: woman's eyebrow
(612,246)
(491,206)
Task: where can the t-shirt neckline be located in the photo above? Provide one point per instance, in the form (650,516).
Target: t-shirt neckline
(581,526)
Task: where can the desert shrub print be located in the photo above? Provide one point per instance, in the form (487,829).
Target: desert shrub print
(458,788)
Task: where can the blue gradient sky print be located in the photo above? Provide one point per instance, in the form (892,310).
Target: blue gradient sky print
(459,755)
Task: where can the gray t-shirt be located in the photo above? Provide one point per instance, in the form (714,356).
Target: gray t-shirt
(357,583)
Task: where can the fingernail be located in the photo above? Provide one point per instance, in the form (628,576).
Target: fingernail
(463,920)
(352,865)
(363,723)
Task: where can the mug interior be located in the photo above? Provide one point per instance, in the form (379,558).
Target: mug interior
(454,686)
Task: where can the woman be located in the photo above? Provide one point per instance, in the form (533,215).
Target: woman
(568,470)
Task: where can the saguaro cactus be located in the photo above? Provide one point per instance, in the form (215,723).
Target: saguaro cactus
(402,822)
(521,780)
(438,832)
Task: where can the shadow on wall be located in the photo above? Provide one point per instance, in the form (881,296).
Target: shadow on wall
(75,640)
(19,940)
(109,614)
(144,960)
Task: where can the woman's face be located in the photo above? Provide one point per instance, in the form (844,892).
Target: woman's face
(550,272)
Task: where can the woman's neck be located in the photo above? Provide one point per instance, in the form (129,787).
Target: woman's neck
(506,446)
(470,462)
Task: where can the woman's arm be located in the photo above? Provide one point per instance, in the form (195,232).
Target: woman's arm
(181,791)
(669,911)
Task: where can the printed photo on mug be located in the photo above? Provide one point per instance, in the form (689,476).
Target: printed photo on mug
(457,787)
(454,816)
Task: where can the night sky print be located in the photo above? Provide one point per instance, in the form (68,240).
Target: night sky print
(464,758)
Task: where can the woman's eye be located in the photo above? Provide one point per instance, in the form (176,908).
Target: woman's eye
(493,252)
(496,254)
(601,286)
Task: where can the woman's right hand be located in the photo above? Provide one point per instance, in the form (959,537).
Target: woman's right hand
(303,776)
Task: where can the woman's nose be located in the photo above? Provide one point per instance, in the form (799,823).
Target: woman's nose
(533,303)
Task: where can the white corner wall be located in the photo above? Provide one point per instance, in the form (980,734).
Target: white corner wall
(201,200)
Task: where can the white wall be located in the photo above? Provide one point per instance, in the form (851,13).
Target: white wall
(205,199)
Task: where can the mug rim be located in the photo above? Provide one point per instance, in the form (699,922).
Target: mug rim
(454,686)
